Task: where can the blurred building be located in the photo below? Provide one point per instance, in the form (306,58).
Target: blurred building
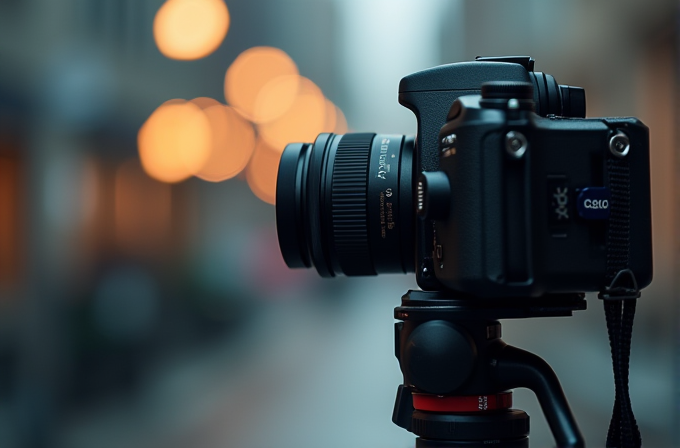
(138,313)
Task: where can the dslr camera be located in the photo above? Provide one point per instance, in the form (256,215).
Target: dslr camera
(508,203)
(506,191)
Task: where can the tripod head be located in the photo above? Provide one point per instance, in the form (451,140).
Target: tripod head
(459,374)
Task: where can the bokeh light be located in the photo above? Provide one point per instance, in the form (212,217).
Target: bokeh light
(233,143)
(275,98)
(335,119)
(175,141)
(204,102)
(340,122)
(305,119)
(190,29)
(262,171)
(248,75)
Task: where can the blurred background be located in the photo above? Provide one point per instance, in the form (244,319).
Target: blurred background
(143,299)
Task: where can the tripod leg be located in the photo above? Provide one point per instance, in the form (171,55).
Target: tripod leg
(518,368)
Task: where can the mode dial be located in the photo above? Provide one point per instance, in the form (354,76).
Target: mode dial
(508,95)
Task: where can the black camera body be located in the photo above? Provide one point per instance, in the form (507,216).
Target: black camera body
(513,189)
(521,203)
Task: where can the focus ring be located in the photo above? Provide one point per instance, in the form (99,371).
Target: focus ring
(349,204)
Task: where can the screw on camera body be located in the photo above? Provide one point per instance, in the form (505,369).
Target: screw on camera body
(619,144)
(516,144)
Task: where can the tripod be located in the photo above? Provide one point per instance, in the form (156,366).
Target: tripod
(459,374)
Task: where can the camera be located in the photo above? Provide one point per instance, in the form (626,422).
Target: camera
(506,191)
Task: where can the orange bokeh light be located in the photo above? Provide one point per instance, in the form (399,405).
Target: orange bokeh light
(190,29)
(204,102)
(340,122)
(175,141)
(305,119)
(233,144)
(331,117)
(262,171)
(248,75)
(275,98)
(335,119)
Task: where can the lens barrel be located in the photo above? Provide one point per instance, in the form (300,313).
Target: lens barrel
(344,204)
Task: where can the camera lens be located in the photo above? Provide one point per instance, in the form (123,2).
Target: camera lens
(344,204)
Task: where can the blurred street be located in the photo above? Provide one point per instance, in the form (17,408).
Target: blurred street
(144,302)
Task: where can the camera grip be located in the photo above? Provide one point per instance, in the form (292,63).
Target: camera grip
(430,94)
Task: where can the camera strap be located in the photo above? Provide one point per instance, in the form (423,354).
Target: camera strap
(620,299)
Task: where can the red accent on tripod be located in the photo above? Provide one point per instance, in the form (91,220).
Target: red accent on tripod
(470,403)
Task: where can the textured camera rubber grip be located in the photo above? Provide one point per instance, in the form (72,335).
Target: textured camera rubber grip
(349,204)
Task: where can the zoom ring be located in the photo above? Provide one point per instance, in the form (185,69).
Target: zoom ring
(349,204)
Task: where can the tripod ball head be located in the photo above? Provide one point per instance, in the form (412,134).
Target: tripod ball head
(439,357)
